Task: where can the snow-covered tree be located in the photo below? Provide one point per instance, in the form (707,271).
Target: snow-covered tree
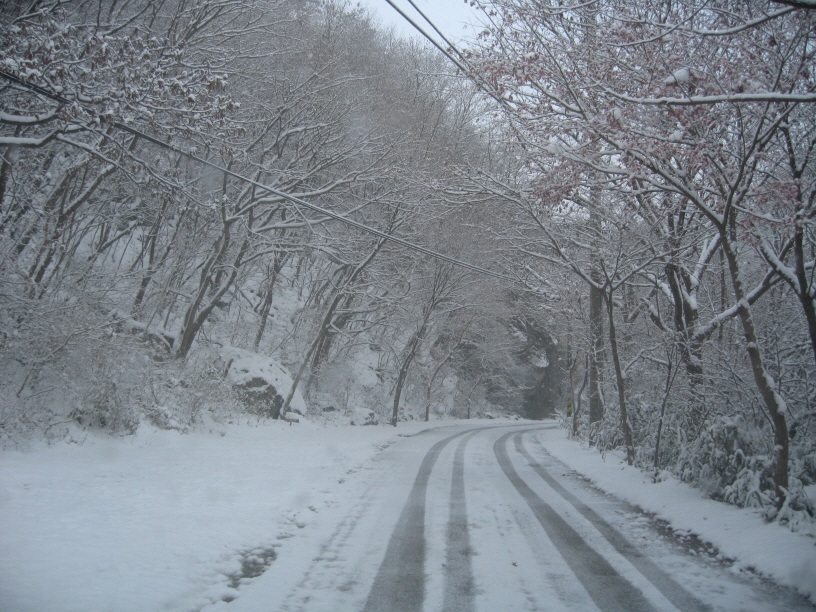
(676,106)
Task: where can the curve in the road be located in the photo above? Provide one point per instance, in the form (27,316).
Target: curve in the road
(610,591)
(400,581)
(676,594)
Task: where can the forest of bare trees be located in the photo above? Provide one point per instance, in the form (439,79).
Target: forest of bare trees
(640,177)
(666,166)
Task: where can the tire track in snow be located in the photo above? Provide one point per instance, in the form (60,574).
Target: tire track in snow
(400,581)
(458,568)
(675,593)
(610,591)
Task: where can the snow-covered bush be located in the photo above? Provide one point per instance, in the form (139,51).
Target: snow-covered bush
(606,434)
(731,462)
(103,407)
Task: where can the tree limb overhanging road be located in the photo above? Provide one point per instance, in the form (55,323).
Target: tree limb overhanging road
(484,518)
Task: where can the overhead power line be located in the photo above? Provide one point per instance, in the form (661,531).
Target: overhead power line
(281,194)
(458,60)
(456,57)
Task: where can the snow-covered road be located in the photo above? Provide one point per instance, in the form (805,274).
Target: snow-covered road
(468,515)
(486,519)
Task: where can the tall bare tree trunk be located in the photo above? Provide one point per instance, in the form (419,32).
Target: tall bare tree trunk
(577,409)
(272,272)
(774,402)
(596,409)
(620,381)
(413,345)
(805,292)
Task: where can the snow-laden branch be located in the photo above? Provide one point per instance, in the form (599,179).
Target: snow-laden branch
(637,357)
(786,272)
(11,119)
(704,331)
(709,248)
(23,141)
(798,4)
(769,96)
(666,28)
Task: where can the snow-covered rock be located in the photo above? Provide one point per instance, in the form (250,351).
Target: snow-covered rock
(363,416)
(261,382)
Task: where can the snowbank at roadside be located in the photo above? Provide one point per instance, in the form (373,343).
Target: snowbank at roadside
(155,520)
(165,521)
(742,534)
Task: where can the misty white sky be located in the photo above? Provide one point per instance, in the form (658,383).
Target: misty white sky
(450,16)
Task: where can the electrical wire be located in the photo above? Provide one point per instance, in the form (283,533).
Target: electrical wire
(456,57)
(458,62)
(290,198)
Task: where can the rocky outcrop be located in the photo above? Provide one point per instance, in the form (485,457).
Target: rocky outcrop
(260,383)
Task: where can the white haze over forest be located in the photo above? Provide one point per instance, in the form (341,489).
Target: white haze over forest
(233,233)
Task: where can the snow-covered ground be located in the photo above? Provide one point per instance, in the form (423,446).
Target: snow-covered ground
(164,521)
(741,534)
(161,520)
